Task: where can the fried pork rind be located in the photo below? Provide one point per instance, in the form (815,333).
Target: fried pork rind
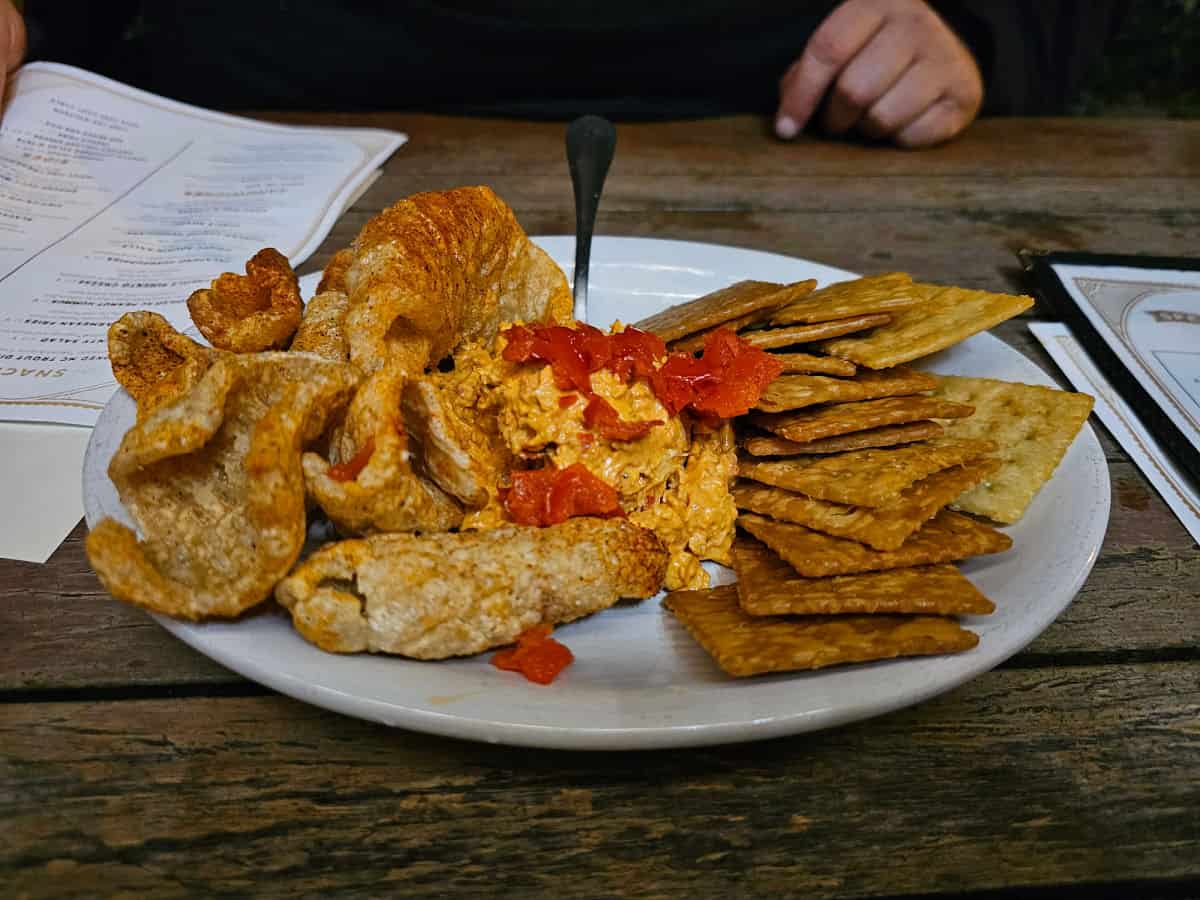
(948,537)
(790,392)
(787,335)
(440,269)
(249,313)
(154,362)
(845,418)
(951,315)
(386,495)
(768,586)
(213,482)
(744,645)
(443,595)
(888,436)
(875,294)
(885,528)
(451,441)
(742,302)
(322,329)
(333,277)
(1033,426)
(871,478)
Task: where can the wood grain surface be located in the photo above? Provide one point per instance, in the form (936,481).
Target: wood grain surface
(132,766)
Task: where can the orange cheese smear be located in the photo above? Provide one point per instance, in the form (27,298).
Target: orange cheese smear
(537,656)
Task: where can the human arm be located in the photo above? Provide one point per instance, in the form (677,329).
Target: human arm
(12,41)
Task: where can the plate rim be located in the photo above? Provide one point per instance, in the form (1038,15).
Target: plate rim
(640,737)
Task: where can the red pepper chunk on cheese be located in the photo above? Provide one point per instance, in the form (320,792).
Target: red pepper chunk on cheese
(549,496)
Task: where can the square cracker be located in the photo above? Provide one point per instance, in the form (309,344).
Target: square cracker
(888,436)
(885,528)
(948,537)
(729,303)
(774,338)
(747,645)
(871,478)
(845,418)
(808,363)
(695,341)
(767,586)
(788,392)
(874,294)
(1033,426)
(952,315)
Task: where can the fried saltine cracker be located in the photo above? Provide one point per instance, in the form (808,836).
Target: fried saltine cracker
(694,342)
(885,528)
(952,315)
(768,586)
(1033,426)
(875,294)
(871,478)
(747,645)
(807,363)
(722,306)
(774,338)
(948,537)
(789,392)
(889,436)
(845,418)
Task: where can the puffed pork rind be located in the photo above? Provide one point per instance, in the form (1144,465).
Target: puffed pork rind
(443,595)
(323,327)
(154,362)
(253,312)
(386,495)
(213,482)
(440,269)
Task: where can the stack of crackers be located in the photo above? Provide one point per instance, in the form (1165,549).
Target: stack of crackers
(856,472)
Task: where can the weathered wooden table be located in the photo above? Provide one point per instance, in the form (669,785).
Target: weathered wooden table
(131,765)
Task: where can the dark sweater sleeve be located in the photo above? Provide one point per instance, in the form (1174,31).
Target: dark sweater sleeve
(1034,54)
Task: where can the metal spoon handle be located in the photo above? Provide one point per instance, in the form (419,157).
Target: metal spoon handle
(591,142)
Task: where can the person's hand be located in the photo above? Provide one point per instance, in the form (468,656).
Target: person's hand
(892,69)
(12,41)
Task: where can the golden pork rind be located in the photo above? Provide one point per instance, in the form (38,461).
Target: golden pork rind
(845,418)
(768,586)
(385,494)
(253,312)
(745,645)
(951,315)
(787,335)
(948,537)
(443,595)
(860,296)
(735,302)
(333,276)
(885,528)
(213,482)
(154,362)
(889,436)
(871,478)
(790,392)
(322,329)
(1033,426)
(439,269)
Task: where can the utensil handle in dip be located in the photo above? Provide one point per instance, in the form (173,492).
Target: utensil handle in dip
(591,141)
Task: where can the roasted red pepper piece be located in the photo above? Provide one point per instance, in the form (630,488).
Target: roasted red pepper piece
(537,656)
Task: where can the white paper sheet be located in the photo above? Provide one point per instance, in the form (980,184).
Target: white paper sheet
(112,199)
(40,491)
(1173,486)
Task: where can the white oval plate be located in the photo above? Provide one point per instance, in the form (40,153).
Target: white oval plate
(639,680)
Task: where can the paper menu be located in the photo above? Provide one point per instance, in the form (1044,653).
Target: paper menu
(1172,484)
(1143,317)
(112,199)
